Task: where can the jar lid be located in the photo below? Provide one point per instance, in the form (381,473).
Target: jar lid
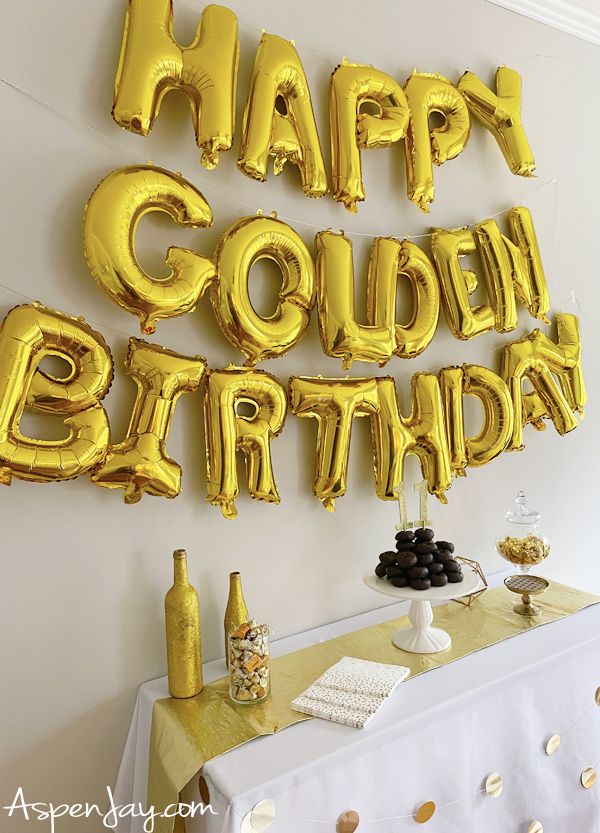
(522,514)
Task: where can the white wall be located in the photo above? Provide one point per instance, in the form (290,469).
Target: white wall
(84,575)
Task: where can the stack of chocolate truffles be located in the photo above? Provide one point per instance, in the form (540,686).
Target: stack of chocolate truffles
(419,561)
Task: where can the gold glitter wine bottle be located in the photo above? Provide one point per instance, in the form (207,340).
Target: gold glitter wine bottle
(182,618)
(236,613)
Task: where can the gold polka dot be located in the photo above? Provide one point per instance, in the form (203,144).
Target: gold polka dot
(588,778)
(552,744)
(597,696)
(425,812)
(260,817)
(204,791)
(535,827)
(348,822)
(494,785)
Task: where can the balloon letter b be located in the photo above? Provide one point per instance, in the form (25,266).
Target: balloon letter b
(152,63)
(30,333)
(110,222)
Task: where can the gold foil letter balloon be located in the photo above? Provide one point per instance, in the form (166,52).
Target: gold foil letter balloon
(536,358)
(571,379)
(242,245)
(341,335)
(500,112)
(152,63)
(289,133)
(110,222)
(533,292)
(503,267)
(422,433)
(333,403)
(228,430)
(498,420)
(457,283)
(390,260)
(353,86)
(426,94)
(140,464)
(513,268)
(451,386)
(29,334)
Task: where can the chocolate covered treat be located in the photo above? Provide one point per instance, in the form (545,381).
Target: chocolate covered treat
(423,534)
(406,560)
(405,536)
(418,572)
(420,583)
(419,562)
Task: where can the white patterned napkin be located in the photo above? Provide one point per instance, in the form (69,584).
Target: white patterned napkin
(351,691)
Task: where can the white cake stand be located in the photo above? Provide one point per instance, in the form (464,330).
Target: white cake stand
(420,637)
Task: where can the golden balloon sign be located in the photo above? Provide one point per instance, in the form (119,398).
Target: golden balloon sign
(368,108)
(539,377)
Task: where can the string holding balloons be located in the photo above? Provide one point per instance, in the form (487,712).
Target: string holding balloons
(279,119)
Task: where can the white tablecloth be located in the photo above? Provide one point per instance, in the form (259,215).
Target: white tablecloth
(437,739)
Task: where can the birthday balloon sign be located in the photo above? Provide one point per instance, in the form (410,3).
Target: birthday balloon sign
(279,121)
(246,407)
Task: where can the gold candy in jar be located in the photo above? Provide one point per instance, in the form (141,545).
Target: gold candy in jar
(524,551)
(249,663)
(521,543)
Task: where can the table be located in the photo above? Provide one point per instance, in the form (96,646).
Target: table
(438,739)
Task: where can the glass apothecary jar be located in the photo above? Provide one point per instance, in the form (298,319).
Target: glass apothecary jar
(249,663)
(520,542)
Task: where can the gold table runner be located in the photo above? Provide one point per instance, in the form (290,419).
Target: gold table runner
(185,734)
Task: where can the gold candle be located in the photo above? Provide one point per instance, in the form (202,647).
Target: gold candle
(182,618)
(237,612)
